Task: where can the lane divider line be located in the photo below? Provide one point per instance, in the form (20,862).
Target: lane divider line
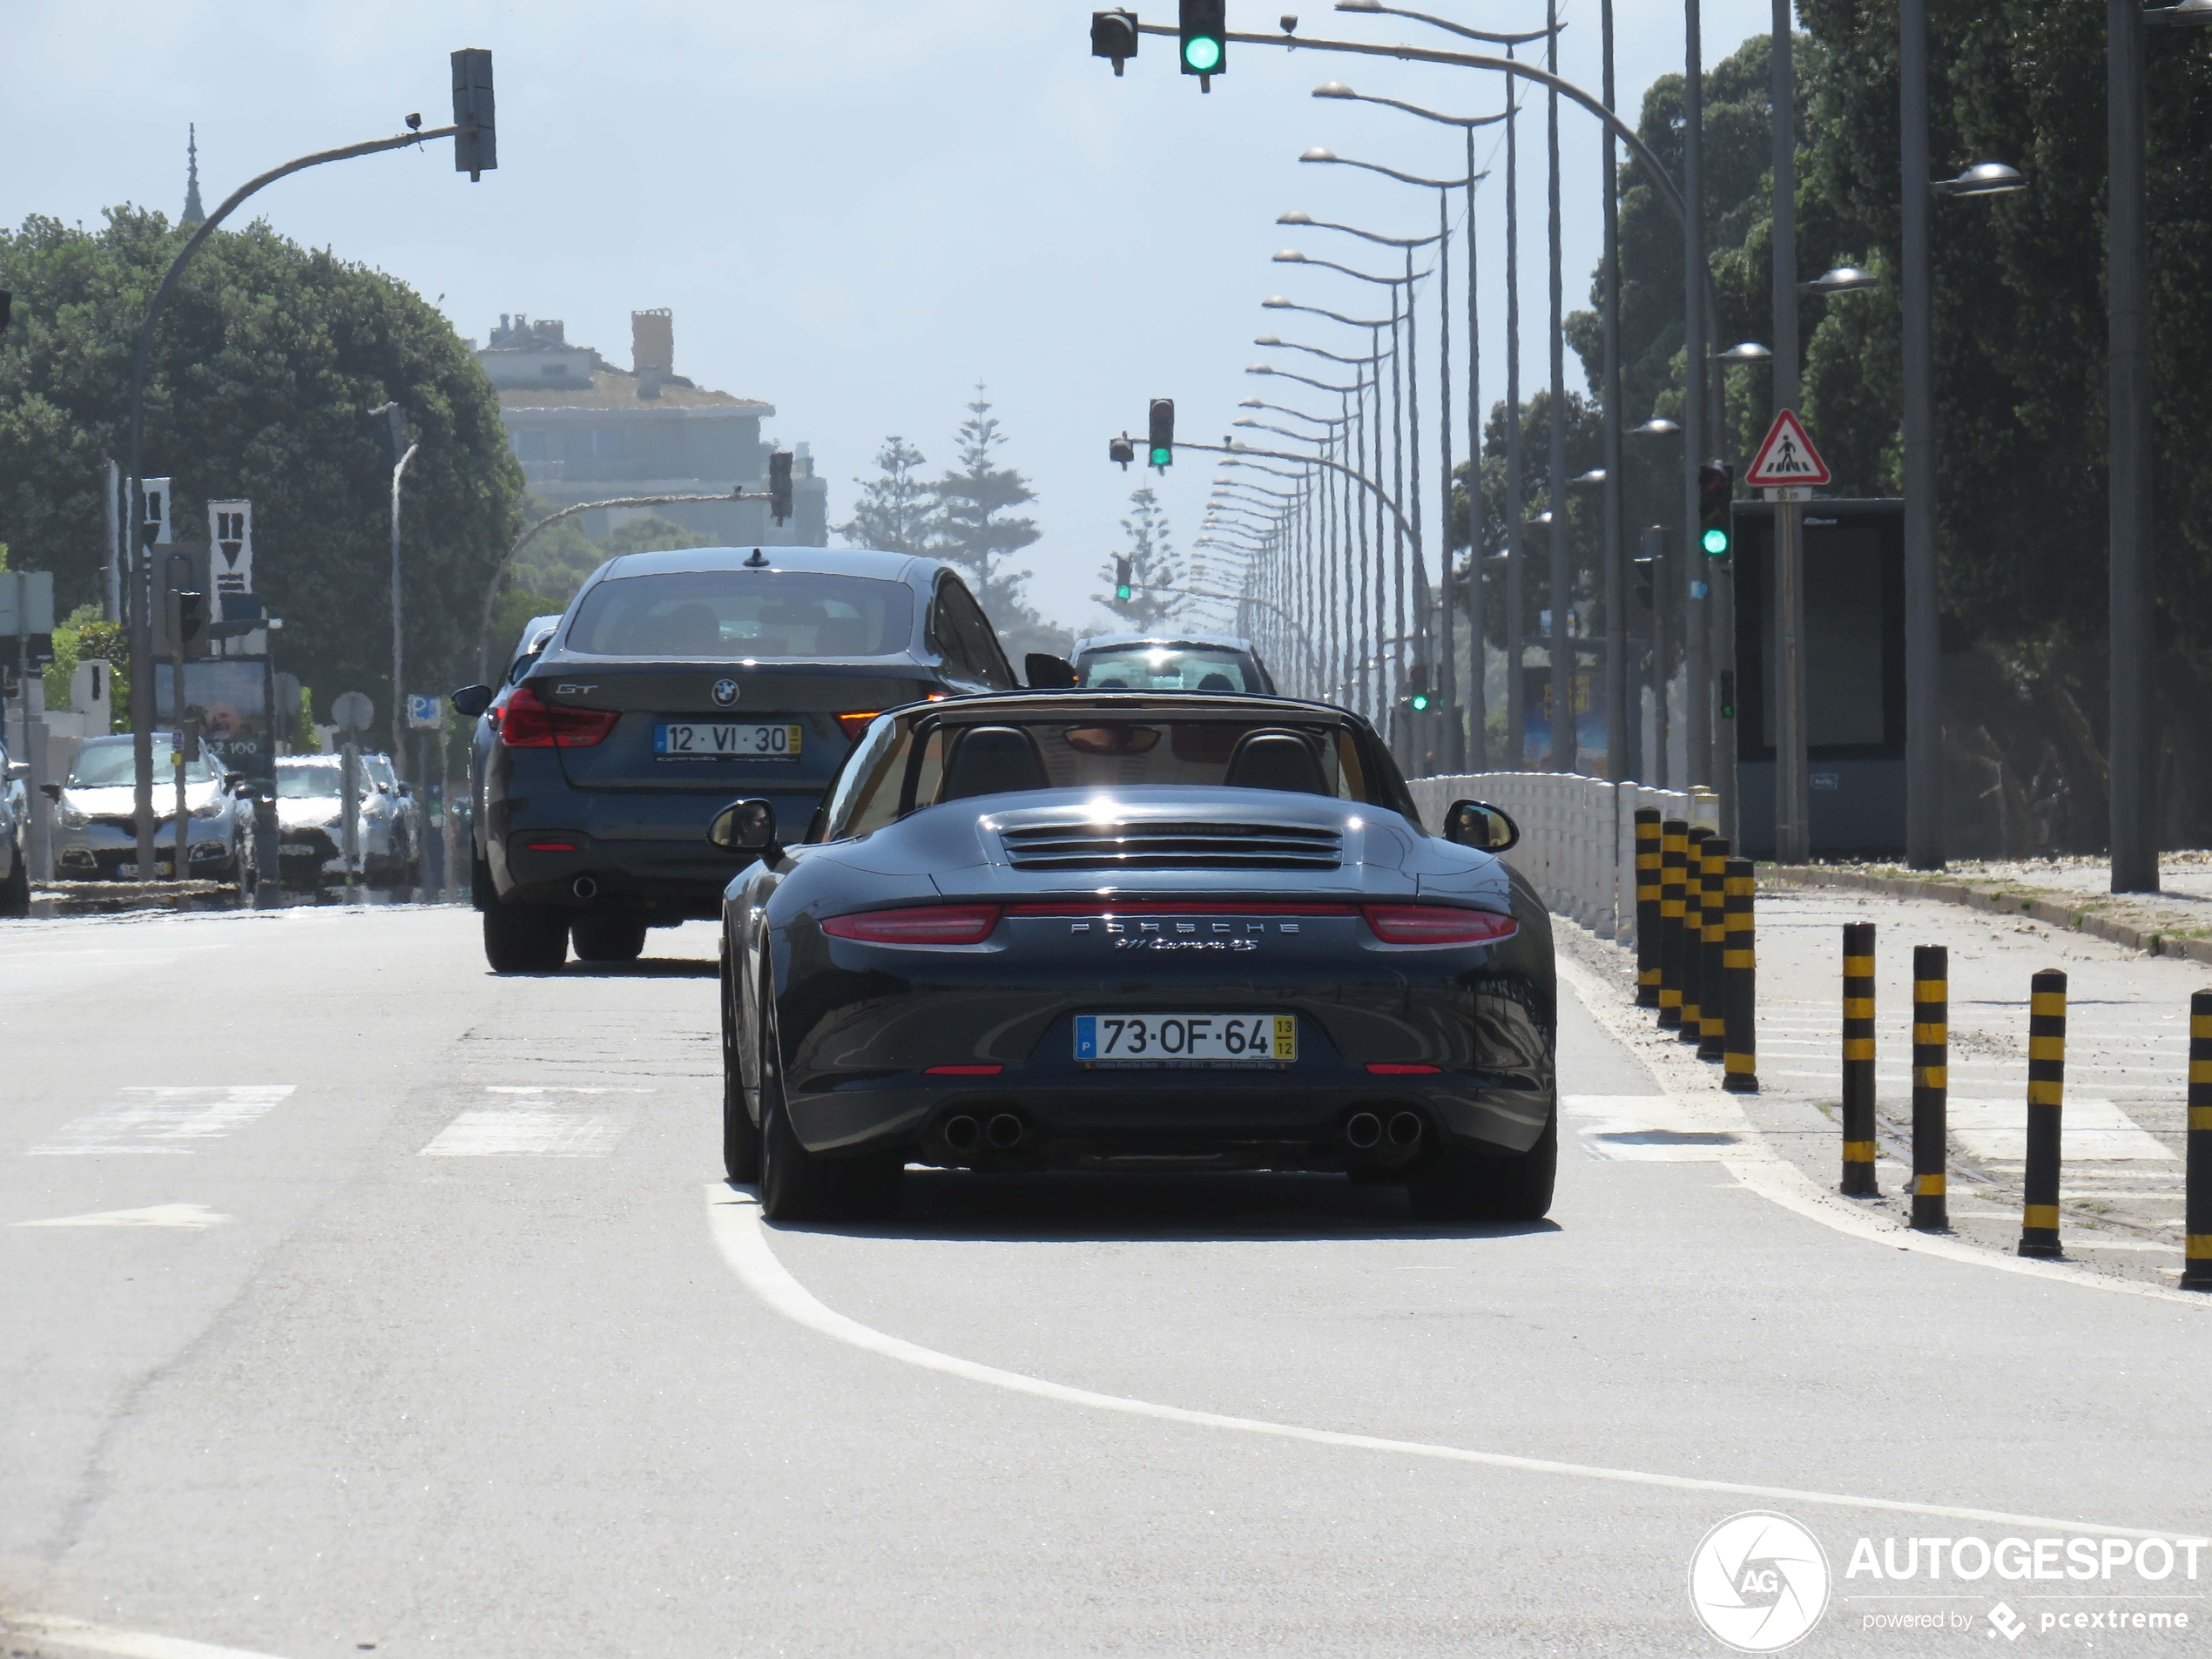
(733,1219)
(132,1644)
(1775,1178)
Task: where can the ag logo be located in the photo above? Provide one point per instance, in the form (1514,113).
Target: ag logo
(1759,1583)
(726,692)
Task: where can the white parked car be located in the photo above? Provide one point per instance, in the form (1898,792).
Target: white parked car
(311,816)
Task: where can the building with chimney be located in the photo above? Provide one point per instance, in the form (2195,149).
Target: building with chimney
(585,429)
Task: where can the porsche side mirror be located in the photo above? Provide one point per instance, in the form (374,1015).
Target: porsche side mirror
(743,826)
(1046,672)
(471,700)
(1478,824)
(51,792)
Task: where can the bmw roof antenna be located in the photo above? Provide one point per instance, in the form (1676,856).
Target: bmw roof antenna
(758,561)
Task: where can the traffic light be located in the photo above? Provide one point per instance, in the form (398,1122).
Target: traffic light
(476,147)
(780,486)
(192,622)
(1113,34)
(1163,432)
(1716,490)
(1416,699)
(1121,451)
(1647,563)
(1122,588)
(1204,31)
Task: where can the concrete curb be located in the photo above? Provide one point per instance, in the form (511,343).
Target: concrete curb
(2072,914)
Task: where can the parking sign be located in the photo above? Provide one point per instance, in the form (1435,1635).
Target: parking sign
(423,713)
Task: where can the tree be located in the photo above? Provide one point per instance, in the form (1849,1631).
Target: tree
(1156,574)
(266,359)
(893,511)
(970,527)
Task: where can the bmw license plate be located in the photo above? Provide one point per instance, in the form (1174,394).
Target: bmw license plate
(1186,1039)
(714,740)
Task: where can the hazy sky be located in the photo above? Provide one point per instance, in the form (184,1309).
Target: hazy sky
(857,209)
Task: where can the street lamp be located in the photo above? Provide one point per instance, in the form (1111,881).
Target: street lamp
(1271,341)
(1277,302)
(391,411)
(1842,278)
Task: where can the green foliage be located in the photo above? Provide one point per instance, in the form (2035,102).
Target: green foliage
(262,369)
(894,509)
(1584,449)
(1155,572)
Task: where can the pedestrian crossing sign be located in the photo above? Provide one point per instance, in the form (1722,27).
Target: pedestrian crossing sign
(1787,459)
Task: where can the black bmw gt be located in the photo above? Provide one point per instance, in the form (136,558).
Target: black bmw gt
(1076,930)
(674,682)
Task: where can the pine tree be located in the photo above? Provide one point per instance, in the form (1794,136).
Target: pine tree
(1156,574)
(893,511)
(970,526)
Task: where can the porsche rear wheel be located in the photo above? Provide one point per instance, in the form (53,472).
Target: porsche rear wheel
(1454,1184)
(740,1135)
(800,1186)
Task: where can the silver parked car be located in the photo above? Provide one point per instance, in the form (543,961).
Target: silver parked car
(385,796)
(95,831)
(310,816)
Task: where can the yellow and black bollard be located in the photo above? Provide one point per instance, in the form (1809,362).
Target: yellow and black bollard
(1691,1027)
(1712,1041)
(1858,1060)
(2046,1103)
(1648,906)
(2196,1226)
(1739,969)
(1674,852)
(1931,1084)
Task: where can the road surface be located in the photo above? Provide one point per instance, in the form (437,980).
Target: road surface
(355,1299)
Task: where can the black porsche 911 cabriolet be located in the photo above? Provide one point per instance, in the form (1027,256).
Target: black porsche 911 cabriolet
(1070,930)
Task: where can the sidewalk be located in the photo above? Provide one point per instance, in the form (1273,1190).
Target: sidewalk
(2127,1064)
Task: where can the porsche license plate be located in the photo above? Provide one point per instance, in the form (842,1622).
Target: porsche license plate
(717,740)
(1186,1039)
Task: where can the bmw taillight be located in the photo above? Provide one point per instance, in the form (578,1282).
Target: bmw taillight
(532,723)
(942,924)
(1437,924)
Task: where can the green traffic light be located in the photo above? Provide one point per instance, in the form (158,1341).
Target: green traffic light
(1163,456)
(1716,543)
(1122,592)
(1203,53)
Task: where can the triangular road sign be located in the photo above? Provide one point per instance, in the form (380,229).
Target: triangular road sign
(1787,458)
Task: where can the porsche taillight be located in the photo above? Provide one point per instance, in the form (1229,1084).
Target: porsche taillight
(940,924)
(532,723)
(1437,924)
(857,722)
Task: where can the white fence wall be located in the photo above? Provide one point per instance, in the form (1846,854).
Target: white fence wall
(1578,841)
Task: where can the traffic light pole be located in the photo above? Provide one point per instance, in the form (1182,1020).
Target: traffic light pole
(142,595)
(499,572)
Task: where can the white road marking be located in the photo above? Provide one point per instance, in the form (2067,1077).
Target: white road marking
(734,1219)
(133,1644)
(1658,1128)
(525,1125)
(2090,1130)
(163,1120)
(196,1216)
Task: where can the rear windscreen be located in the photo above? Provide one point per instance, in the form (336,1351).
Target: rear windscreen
(744,613)
(1151,668)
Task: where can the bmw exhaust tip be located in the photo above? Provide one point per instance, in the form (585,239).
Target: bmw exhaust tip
(962,1132)
(1363,1130)
(584,888)
(1006,1132)
(1405,1130)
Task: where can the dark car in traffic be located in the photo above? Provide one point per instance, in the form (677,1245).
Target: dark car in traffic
(674,682)
(1083,930)
(1170,663)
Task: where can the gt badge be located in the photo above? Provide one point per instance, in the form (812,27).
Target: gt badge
(726,692)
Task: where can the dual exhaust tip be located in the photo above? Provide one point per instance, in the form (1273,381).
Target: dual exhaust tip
(1365,1131)
(1000,1131)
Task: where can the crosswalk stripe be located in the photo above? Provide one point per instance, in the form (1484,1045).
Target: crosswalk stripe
(163,1120)
(526,1124)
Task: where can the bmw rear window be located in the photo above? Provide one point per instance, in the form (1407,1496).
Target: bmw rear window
(744,614)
